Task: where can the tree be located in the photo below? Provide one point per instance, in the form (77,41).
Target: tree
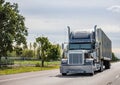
(44,45)
(34,45)
(114,58)
(54,52)
(12,27)
(25,46)
(27,53)
(30,46)
(18,51)
(38,53)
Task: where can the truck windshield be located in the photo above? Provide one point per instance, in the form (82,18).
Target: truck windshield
(79,46)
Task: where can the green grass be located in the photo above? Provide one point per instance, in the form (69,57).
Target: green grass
(26,66)
(26,62)
(33,62)
(6,71)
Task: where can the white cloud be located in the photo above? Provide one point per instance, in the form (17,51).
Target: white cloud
(117,50)
(115,8)
(51,17)
(63,3)
(111,28)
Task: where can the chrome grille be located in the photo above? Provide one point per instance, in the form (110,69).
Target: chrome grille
(75,59)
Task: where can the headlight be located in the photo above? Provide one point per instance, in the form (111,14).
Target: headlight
(64,61)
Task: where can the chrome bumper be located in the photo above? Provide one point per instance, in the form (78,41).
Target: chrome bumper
(77,69)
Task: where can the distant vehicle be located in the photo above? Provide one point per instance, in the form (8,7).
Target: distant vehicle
(86,52)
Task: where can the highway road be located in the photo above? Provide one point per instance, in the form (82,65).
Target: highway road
(53,77)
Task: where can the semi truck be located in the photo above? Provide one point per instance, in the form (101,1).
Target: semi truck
(86,52)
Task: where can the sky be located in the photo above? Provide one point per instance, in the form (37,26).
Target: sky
(50,18)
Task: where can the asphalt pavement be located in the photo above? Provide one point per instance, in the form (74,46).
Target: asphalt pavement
(53,77)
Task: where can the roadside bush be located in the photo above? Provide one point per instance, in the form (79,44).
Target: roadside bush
(114,58)
(7,61)
(37,65)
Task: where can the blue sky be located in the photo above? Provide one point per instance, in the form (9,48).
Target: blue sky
(51,17)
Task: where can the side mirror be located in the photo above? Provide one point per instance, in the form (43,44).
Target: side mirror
(97,45)
(65,46)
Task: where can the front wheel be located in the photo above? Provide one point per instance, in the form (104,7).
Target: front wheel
(92,73)
(64,74)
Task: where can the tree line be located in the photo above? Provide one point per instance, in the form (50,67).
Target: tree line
(42,49)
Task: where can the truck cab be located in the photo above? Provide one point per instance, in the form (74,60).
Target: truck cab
(83,53)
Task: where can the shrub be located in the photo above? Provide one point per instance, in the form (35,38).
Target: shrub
(37,65)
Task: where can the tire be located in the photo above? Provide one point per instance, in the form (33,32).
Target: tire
(64,74)
(107,64)
(91,74)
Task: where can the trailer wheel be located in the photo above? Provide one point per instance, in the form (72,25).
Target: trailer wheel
(107,64)
(64,74)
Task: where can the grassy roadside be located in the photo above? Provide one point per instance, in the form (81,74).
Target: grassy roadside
(30,62)
(23,68)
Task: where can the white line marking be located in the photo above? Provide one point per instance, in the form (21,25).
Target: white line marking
(117,76)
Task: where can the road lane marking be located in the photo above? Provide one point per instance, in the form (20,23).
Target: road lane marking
(117,76)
